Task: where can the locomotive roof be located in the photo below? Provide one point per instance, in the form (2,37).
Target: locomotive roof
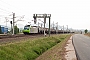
(32,26)
(27,25)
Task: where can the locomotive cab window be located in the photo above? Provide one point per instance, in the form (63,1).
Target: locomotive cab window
(27,27)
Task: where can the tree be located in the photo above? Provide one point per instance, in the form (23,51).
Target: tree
(86,31)
(16,30)
(0,30)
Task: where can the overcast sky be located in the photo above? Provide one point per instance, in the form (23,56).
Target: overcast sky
(74,13)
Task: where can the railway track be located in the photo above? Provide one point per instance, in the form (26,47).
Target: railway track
(15,38)
(11,36)
(18,35)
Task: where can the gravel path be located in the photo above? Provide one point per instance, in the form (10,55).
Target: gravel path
(70,51)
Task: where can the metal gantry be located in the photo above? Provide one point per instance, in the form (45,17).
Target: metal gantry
(35,16)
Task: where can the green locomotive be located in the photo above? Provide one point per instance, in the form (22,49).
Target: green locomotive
(28,29)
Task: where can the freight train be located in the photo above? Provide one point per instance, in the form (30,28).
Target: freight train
(28,29)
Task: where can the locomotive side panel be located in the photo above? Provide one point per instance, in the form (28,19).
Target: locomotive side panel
(34,30)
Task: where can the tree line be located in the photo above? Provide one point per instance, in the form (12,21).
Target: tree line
(16,30)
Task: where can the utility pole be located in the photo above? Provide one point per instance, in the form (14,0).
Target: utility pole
(41,27)
(53,24)
(67,29)
(49,26)
(56,27)
(6,21)
(13,22)
(44,24)
(11,27)
(38,24)
(38,27)
(63,29)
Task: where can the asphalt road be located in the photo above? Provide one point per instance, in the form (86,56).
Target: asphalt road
(82,46)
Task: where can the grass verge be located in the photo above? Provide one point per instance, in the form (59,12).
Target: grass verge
(57,52)
(29,49)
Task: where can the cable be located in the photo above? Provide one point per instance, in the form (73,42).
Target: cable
(13,7)
(4,2)
(5,10)
(4,7)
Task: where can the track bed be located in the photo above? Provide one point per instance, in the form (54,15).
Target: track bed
(12,38)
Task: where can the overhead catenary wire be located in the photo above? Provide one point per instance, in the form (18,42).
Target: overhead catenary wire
(6,5)
(21,17)
(3,7)
(9,9)
(13,7)
(5,11)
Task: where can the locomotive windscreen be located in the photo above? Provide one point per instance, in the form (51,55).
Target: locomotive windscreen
(27,27)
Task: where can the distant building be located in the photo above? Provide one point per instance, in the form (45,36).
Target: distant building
(4,29)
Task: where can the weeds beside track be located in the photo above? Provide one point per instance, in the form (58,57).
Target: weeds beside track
(29,49)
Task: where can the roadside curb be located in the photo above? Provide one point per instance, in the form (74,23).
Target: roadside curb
(70,51)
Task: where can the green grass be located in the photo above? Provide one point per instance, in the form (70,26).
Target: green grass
(29,49)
